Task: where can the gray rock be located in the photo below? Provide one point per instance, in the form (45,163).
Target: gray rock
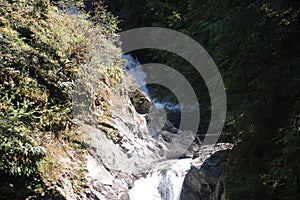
(206,183)
(112,167)
(169,127)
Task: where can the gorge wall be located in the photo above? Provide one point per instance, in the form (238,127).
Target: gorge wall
(74,124)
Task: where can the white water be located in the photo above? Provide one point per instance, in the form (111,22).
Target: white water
(164,182)
(134,67)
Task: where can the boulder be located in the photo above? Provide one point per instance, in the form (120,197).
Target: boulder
(206,182)
(140,101)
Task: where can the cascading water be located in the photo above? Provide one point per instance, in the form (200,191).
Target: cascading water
(165,180)
(134,67)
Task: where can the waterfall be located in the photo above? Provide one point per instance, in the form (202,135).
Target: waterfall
(164,181)
(134,68)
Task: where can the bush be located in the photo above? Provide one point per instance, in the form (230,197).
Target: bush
(19,156)
(42,49)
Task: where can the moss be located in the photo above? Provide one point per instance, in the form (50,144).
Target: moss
(64,160)
(42,53)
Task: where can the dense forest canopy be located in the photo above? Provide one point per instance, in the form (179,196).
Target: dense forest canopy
(256,45)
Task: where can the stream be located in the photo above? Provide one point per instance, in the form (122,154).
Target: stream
(165,179)
(134,67)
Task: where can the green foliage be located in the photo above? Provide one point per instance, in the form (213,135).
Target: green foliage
(41,51)
(255,44)
(108,21)
(18,155)
(285,169)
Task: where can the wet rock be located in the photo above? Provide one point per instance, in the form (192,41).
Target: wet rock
(191,151)
(167,136)
(206,182)
(169,127)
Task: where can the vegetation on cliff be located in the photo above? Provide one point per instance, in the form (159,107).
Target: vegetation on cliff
(255,44)
(42,48)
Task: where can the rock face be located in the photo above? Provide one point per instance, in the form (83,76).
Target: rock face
(113,165)
(206,182)
(123,139)
(96,124)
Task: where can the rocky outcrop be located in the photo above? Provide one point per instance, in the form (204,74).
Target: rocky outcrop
(206,182)
(78,103)
(140,101)
(124,138)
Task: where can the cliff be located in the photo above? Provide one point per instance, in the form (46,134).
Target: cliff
(68,107)
(73,123)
